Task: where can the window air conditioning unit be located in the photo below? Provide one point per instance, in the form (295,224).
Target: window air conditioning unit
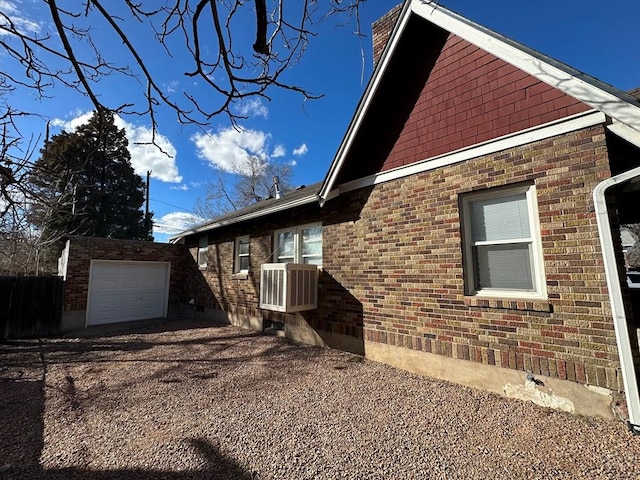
(288,287)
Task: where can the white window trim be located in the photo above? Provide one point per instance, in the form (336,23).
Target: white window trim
(297,242)
(537,258)
(238,255)
(203,249)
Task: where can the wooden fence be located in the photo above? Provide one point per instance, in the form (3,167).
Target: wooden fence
(30,307)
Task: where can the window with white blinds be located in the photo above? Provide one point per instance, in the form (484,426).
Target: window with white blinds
(502,244)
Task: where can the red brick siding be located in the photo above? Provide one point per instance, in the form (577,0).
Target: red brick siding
(85,249)
(221,287)
(471,97)
(402,260)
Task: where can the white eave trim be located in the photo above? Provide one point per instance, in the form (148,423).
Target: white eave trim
(249,216)
(629,134)
(548,130)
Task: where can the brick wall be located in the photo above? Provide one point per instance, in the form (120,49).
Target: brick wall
(393,274)
(381,31)
(338,311)
(84,249)
(402,260)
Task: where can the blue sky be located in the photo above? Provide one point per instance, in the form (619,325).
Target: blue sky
(598,38)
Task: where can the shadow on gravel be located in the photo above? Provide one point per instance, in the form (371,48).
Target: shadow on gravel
(21,443)
(218,467)
(145,327)
(106,341)
(21,424)
(24,367)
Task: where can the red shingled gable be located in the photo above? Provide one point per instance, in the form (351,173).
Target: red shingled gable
(470,97)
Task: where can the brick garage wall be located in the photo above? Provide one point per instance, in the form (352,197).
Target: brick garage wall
(338,311)
(84,249)
(402,259)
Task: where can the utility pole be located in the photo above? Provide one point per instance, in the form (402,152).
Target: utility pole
(147,199)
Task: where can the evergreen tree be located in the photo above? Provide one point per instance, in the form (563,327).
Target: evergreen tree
(85,185)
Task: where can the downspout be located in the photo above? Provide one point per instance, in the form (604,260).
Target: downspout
(621,328)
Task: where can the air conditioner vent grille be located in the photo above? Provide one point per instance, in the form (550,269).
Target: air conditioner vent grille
(288,287)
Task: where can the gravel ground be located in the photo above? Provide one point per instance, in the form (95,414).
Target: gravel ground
(191,400)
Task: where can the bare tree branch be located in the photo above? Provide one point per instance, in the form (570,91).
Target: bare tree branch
(74,56)
(252,183)
(88,45)
(260,46)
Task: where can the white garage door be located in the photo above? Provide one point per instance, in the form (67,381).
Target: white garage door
(126,291)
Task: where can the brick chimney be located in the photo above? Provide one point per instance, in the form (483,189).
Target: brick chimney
(381,31)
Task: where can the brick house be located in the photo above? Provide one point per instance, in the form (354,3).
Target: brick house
(468,227)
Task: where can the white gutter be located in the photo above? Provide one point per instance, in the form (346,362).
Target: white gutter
(279,207)
(625,350)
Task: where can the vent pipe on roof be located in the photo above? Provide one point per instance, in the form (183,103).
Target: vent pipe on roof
(276,188)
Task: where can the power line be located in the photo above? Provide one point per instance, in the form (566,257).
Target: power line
(174,206)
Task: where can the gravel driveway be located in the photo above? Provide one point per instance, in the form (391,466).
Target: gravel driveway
(195,400)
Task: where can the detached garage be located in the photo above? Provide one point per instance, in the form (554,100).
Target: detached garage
(126,291)
(110,281)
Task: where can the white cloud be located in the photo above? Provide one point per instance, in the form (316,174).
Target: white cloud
(21,23)
(145,156)
(175,222)
(301,150)
(184,187)
(253,107)
(75,122)
(230,149)
(278,152)
(172,86)
(9,8)
(159,158)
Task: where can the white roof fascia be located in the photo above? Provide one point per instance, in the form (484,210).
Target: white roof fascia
(241,218)
(578,88)
(624,131)
(363,106)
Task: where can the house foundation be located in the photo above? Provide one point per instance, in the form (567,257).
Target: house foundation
(544,391)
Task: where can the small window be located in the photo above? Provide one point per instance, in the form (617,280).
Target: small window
(502,244)
(202,251)
(299,245)
(242,255)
